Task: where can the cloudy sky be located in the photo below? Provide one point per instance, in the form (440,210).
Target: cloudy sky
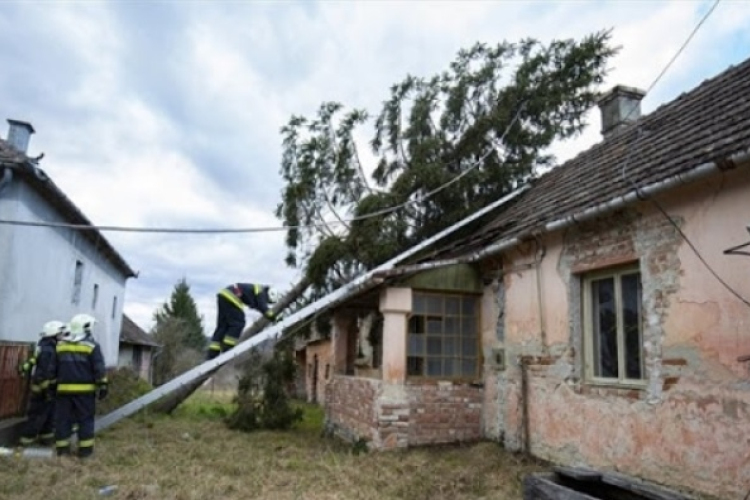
(167,114)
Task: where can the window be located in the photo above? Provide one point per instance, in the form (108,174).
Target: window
(77,281)
(95,296)
(613,332)
(443,336)
(114,306)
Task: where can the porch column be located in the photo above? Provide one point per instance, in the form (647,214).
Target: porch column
(395,304)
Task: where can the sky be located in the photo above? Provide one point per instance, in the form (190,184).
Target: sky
(168,113)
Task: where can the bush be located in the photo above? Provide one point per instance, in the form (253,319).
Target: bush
(262,398)
(124,386)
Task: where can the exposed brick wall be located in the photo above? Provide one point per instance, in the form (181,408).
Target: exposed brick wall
(350,407)
(391,416)
(444,413)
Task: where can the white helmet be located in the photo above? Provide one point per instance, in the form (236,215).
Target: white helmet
(80,325)
(52,329)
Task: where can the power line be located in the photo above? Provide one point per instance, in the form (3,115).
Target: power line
(370,215)
(660,208)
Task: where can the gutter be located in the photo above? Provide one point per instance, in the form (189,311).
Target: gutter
(700,172)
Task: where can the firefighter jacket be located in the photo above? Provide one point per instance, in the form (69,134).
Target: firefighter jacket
(79,367)
(43,376)
(249,294)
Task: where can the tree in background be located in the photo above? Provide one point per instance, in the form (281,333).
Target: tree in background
(179,330)
(483,127)
(181,305)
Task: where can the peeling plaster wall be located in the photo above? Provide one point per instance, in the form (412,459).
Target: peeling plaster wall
(315,382)
(688,427)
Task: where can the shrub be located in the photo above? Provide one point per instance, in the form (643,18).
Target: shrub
(262,398)
(124,386)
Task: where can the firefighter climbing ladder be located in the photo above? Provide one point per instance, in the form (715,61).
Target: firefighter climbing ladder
(331,299)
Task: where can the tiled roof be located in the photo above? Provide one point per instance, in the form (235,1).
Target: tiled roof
(24,168)
(709,123)
(130,333)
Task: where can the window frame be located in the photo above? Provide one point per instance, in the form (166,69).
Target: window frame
(479,358)
(77,281)
(587,327)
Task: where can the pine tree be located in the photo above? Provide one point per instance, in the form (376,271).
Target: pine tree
(182,306)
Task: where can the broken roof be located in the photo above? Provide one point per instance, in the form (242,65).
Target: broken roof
(711,123)
(130,333)
(26,168)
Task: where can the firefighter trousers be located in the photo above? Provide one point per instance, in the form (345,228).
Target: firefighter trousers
(40,420)
(230,320)
(71,409)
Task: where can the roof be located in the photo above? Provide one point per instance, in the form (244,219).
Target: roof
(26,169)
(130,333)
(711,123)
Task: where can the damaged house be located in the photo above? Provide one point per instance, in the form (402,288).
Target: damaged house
(597,319)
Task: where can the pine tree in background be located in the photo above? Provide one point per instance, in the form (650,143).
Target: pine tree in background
(182,306)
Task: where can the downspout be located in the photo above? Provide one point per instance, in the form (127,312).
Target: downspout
(542,251)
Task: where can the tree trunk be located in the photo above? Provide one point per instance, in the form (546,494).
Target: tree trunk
(168,403)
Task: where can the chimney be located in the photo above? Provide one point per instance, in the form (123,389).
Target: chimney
(620,107)
(19,134)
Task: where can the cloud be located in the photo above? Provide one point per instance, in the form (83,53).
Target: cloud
(158,114)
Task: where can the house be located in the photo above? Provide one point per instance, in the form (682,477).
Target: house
(137,349)
(52,272)
(596,320)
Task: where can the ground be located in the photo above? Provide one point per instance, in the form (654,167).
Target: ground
(193,455)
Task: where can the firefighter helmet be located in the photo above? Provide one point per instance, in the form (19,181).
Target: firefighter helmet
(80,325)
(52,329)
(273,295)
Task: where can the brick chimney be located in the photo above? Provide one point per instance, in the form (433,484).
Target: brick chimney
(620,107)
(19,134)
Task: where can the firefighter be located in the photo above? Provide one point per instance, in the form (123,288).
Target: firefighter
(81,379)
(40,417)
(230,314)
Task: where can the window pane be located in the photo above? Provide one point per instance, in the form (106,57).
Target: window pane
(468,346)
(604,328)
(418,305)
(468,327)
(450,346)
(434,304)
(451,326)
(434,367)
(631,322)
(451,367)
(414,366)
(434,346)
(468,307)
(469,367)
(416,324)
(416,345)
(452,306)
(434,325)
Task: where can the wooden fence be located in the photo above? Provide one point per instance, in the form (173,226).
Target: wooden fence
(13,388)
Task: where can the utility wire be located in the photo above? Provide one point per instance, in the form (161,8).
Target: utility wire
(632,148)
(345,221)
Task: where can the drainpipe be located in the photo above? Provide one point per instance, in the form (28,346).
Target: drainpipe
(700,172)
(541,252)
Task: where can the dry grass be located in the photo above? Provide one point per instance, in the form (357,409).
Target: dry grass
(192,455)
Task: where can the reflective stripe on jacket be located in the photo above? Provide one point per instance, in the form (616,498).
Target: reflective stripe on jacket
(79,367)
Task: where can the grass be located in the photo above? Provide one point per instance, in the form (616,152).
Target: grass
(192,455)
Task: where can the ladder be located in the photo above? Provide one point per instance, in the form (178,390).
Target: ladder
(336,297)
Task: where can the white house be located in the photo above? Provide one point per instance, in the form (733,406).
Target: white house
(49,272)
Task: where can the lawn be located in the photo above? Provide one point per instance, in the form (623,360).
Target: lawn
(192,455)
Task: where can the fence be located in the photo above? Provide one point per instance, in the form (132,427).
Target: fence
(13,388)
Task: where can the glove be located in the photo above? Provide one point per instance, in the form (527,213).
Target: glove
(270,315)
(102,392)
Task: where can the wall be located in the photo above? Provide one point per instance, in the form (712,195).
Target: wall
(687,426)
(125,359)
(37,277)
(322,349)
(392,416)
